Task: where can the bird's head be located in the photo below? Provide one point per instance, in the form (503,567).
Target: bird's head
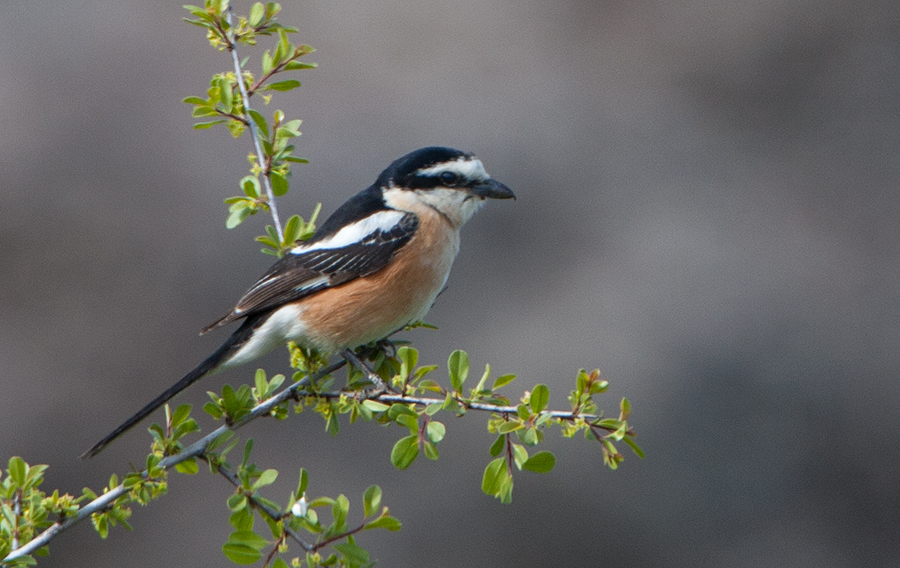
(452,182)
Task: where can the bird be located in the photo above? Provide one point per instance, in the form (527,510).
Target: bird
(374,266)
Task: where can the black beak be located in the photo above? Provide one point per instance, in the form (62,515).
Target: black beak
(492,189)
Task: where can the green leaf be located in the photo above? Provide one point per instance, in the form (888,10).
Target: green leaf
(101,525)
(408,358)
(297,65)
(386,522)
(237,217)
(227,94)
(506,487)
(242,519)
(510,426)
(484,378)
(503,381)
(260,122)
(409,422)
(257,13)
(18,469)
(304,482)
(372,500)
(520,455)
(339,511)
(398,409)
(248,538)
(540,396)
(282,85)
(241,553)
(268,477)
(279,184)
(332,425)
(248,445)
(237,502)
(625,409)
(213,410)
(355,554)
(303,49)
(458,367)
(290,128)
(431,451)
(292,229)
(250,186)
(634,447)
(494,475)
(541,462)
(188,466)
(498,445)
(531,436)
(375,406)
(262,385)
(405,452)
(204,125)
(181,413)
(35,476)
(196,10)
(195,101)
(435,431)
(204,110)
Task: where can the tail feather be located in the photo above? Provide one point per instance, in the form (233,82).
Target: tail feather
(221,355)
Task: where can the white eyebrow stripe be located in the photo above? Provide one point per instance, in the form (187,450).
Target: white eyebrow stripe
(355,232)
(470,168)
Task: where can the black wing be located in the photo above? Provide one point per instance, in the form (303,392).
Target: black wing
(314,266)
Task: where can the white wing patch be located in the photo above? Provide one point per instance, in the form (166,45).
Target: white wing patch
(354,233)
(469,168)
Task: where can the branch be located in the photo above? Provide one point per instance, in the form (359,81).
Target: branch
(292,392)
(254,133)
(484,406)
(191,451)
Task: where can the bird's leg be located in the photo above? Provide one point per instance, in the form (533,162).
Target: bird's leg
(387,347)
(378,385)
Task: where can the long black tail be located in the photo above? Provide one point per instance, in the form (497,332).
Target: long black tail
(237,339)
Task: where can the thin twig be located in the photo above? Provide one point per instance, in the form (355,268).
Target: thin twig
(254,133)
(272,514)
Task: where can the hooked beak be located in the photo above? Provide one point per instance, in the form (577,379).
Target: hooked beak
(493,189)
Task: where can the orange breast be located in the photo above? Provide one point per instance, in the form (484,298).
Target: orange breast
(370,308)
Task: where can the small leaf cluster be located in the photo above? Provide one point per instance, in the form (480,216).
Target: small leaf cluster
(244,545)
(337,534)
(178,424)
(213,17)
(142,487)
(334,544)
(25,510)
(527,423)
(607,431)
(235,404)
(295,230)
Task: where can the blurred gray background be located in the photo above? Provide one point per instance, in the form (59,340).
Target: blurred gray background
(707,212)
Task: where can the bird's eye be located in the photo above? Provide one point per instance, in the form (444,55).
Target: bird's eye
(449,179)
